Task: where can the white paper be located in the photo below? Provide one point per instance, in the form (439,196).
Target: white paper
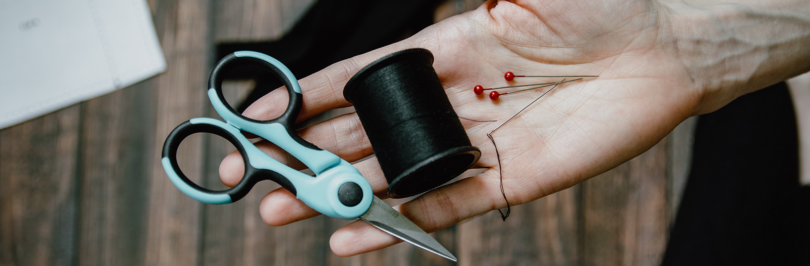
(54,53)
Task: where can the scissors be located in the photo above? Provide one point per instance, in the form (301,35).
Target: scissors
(337,189)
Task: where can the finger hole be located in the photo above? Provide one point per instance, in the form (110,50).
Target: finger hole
(245,84)
(236,92)
(216,148)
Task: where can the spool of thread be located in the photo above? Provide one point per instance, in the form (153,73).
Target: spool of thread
(414,131)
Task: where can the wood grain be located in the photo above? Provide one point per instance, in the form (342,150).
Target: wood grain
(556,227)
(38,195)
(543,232)
(625,212)
(116,154)
(173,227)
(490,241)
(225,227)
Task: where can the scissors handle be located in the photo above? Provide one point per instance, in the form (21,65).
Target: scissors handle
(270,65)
(280,131)
(249,178)
(339,191)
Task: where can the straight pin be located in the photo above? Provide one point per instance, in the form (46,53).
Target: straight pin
(494,95)
(509,76)
(478,89)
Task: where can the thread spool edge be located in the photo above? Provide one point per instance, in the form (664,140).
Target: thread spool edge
(379,63)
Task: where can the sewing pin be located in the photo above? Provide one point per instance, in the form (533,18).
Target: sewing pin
(478,89)
(509,76)
(494,95)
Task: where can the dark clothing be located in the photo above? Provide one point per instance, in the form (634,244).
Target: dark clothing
(743,204)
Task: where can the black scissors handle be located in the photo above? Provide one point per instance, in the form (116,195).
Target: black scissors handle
(278,131)
(250,177)
(242,58)
(237,59)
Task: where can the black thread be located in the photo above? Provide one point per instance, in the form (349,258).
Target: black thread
(500,173)
(419,140)
(498,154)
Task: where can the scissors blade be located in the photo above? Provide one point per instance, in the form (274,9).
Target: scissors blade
(385,218)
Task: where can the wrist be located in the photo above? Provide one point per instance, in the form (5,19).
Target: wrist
(728,50)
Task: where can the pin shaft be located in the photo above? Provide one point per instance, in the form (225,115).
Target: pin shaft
(577,76)
(524,108)
(551,84)
(515,86)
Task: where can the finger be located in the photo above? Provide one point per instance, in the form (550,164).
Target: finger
(359,237)
(433,211)
(343,135)
(280,207)
(322,91)
(231,169)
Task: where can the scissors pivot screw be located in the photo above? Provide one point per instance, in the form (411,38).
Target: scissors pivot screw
(350,194)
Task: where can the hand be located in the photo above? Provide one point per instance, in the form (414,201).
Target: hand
(577,131)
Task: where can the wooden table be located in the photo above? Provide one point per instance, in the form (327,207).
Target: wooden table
(84,185)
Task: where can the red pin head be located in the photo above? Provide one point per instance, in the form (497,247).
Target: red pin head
(494,95)
(509,76)
(478,89)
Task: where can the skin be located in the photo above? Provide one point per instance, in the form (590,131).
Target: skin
(658,64)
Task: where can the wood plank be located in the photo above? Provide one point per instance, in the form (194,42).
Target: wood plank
(224,230)
(235,234)
(542,232)
(174,219)
(256,20)
(557,232)
(116,155)
(487,240)
(625,212)
(38,195)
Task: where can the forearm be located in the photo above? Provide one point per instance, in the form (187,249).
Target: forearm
(732,49)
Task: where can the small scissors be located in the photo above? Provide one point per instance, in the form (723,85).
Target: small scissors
(337,190)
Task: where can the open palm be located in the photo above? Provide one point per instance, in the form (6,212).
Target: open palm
(577,131)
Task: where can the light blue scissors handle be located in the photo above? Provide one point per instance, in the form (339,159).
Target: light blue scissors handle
(279,131)
(337,190)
